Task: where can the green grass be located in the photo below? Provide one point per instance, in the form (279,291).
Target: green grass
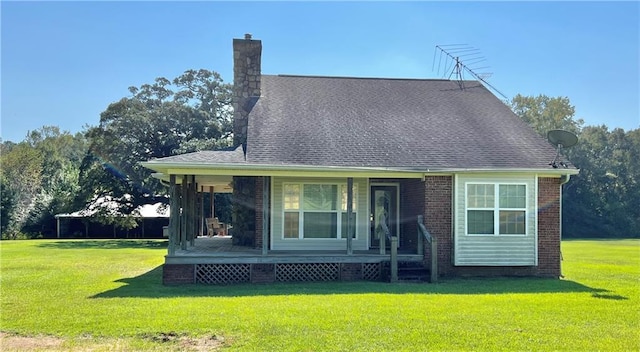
(107,295)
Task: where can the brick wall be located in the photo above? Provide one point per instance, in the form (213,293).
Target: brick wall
(411,205)
(549,261)
(351,271)
(263,273)
(175,274)
(438,218)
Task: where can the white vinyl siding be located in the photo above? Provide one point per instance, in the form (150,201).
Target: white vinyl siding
(317,221)
(495,220)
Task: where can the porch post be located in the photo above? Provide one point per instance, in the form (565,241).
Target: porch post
(58,226)
(183,213)
(192,210)
(394,259)
(201,211)
(212,202)
(174,214)
(349,215)
(265,213)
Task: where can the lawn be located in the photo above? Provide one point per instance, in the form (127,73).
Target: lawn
(106,295)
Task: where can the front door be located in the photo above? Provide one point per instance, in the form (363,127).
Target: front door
(383,213)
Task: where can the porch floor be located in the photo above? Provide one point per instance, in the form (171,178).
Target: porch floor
(214,250)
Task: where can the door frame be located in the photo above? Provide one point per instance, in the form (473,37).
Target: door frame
(396,185)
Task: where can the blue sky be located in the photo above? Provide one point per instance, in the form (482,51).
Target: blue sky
(63,63)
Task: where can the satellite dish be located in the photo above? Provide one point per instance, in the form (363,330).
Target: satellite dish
(561,139)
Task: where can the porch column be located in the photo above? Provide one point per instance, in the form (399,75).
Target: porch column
(201,211)
(349,215)
(58,226)
(174,214)
(192,210)
(212,202)
(266,184)
(183,213)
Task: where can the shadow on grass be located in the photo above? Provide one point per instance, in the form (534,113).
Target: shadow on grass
(149,285)
(105,244)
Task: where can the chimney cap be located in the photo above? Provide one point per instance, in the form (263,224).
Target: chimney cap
(247,36)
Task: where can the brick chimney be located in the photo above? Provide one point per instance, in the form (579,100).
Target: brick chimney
(246,83)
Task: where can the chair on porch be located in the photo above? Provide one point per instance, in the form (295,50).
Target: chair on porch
(215,227)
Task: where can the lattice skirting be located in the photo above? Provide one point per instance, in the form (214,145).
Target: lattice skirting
(371,271)
(221,274)
(308,272)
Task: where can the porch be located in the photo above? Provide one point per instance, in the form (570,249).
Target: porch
(221,250)
(215,260)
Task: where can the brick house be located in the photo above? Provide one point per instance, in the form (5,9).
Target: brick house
(319,158)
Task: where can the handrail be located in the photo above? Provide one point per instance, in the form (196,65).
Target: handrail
(423,234)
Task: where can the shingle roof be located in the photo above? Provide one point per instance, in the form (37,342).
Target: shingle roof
(227,156)
(408,123)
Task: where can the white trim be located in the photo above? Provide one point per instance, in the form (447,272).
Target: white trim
(272,200)
(455,210)
(496,207)
(535,233)
(248,169)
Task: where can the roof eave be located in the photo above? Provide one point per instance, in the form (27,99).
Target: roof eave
(246,169)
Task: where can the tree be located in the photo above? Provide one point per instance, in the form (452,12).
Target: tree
(60,171)
(545,114)
(40,179)
(604,198)
(191,112)
(22,171)
(7,205)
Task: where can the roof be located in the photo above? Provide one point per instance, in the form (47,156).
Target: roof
(110,206)
(227,156)
(347,123)
(395,123)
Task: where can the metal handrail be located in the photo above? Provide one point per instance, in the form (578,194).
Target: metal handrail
(424,235)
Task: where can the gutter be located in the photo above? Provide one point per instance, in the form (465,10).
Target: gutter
(160,167)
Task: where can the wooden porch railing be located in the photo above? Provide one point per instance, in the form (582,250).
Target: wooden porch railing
(423,235)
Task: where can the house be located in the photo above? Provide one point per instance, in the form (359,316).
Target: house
(319,158)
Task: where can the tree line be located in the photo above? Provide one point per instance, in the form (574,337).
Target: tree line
(52,171)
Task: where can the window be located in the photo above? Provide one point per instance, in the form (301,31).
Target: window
(316,210)
(496,209)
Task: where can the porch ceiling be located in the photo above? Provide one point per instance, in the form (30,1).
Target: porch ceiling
(220,183)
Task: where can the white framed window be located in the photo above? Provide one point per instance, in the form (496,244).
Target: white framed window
(496,209)
(316,210)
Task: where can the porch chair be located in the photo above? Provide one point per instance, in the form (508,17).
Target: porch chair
(215,227)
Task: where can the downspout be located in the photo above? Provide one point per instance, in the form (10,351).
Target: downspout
(564,179)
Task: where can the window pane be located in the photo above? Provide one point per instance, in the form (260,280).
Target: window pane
(320,225)
(343,190)
(512,196)
(480,222)
(480,196)
(512,222)
(291,222)
(291,196)
(320,197)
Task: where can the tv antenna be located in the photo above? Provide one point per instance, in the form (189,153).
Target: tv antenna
(561,139)
(450,61)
